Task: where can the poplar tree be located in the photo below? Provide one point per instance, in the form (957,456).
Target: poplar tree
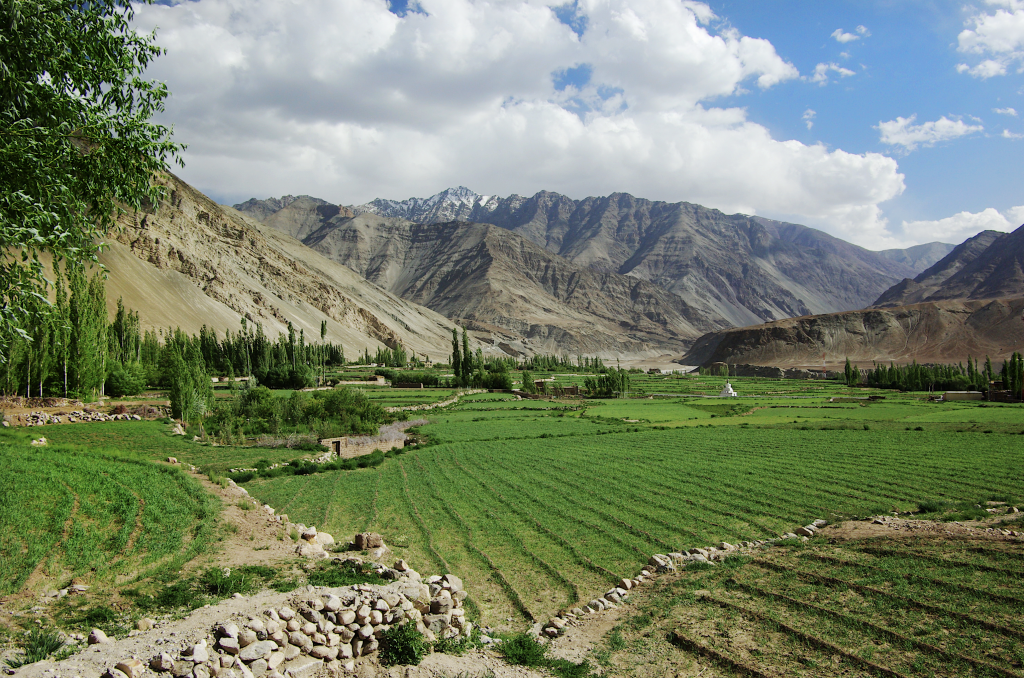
(76,142)
(456,354)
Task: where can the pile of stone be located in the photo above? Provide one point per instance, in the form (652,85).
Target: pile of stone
(311,542)
(42,418)
(321,627)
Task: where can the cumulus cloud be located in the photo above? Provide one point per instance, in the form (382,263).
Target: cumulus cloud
(1007,134)
(821,73)
(959,227)
(903,132)
(349,101)
(997,35)
(864,31)
(808,118)
(1012,112)
(842,37)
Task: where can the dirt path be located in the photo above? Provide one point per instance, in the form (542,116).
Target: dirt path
(253,536)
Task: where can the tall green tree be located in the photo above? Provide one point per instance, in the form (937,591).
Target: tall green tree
(456,354)
(76,142)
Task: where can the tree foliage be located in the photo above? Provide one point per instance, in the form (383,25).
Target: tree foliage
(76,141)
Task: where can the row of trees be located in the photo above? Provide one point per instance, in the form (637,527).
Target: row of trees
(61,349)
(959,377)
(550,363)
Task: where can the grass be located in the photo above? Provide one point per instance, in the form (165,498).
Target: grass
(832,609)
(95,512)
(539,505)
(39,644)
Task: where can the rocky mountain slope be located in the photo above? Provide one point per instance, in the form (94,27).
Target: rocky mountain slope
(523,296)
(735,267)
(988,266)
(931,280)
(192,262)
(938,331)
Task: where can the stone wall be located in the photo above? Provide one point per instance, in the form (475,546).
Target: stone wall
(346,448)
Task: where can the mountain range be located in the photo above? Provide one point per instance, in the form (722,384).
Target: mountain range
(605,275)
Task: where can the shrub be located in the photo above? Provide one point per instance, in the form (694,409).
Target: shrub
(403,645)
(38,645)
(524,650)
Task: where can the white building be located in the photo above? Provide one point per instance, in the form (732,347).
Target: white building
(727,392)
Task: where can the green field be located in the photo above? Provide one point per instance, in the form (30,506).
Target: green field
(910,608)
(100,512)
(541,503)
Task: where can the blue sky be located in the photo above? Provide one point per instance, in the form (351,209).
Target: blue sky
(873,120)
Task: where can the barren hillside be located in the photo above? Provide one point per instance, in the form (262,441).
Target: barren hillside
(193,262)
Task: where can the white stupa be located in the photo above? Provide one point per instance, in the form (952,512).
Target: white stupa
(727,392)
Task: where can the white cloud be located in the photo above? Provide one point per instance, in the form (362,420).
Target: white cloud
(1007,134)
(998,35)
(959,227)
(808,118)
(1006,111)
(864,31)
(349,102)
(844,37)
(902,131)
(821,72)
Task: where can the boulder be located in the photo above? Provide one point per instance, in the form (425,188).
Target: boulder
(132,668)
(161,663)
(229,645)
(368,540)
(258,650)
(311,550)
(144,624)
(324,539)
(806,531)
(452,583)
(97,637)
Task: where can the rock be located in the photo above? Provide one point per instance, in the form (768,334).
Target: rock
(365,631)
(132,668)
(725,546)
(661,563)
(258,650)
(324,539)
(182,669)
(172,460)
(401,565)
(309,628)
(346,617)
(286,613)
(551,632)
(200,654)
(161,663)
(275,660)
(452,583)
(303,667)
(227,661)
(596,605)
(805,531)
(291,652)
(368,540)
(311,550)
(144,624)
(309,534)
(246,637)
(436,623)
(114,673)
(324,652)
(229,645)
(97,637)
(332,603)
(819,522)
(200,671)
(258,667)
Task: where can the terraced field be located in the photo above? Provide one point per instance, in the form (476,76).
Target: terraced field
(71,511)
(541,504)
(915,607)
